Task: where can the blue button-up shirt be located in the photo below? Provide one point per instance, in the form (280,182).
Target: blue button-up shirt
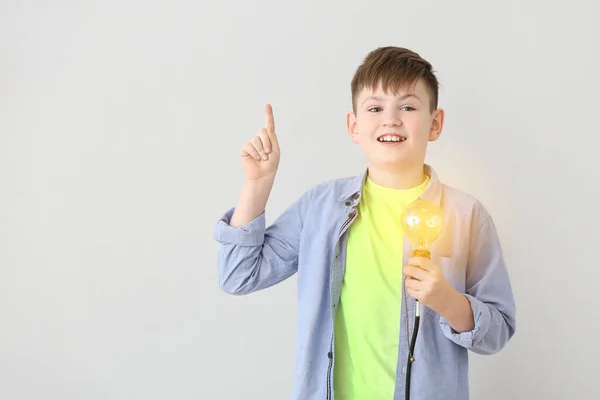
(309,239)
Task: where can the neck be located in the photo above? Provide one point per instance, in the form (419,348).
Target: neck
(406,178)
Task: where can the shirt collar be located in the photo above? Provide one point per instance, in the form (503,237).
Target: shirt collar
(432,193)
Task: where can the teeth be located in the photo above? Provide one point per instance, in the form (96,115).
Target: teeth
(391,139)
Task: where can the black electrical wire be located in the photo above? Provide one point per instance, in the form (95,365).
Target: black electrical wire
(411,359)
(413,340)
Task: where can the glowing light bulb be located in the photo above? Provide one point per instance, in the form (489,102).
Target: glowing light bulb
(422,222)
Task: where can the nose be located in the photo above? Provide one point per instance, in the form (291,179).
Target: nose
(391,117)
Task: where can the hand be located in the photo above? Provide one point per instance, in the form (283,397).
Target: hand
(427,284)
(260,155)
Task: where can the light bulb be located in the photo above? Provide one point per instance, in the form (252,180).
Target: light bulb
(422,222)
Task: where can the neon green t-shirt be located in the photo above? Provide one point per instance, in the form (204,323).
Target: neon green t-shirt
(367,324)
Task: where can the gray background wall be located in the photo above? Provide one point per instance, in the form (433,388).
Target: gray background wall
(120,125)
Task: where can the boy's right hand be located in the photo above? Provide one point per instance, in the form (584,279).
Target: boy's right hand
(260,155)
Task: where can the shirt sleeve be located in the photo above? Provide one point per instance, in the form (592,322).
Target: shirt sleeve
(488,290)
(254,257)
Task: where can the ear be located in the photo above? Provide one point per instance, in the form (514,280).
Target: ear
(351,125)
(437,125)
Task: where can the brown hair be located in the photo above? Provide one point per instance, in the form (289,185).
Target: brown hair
(394,68)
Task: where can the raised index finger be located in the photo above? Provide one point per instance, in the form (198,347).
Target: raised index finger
(270,125)
(269,120)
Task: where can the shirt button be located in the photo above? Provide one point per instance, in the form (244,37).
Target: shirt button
(348,203)
(356,196)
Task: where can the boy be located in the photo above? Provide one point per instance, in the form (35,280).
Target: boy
(344,239)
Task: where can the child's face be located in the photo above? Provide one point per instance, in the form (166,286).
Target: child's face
(404,117)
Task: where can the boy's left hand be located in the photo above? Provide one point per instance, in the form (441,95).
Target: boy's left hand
(427,283)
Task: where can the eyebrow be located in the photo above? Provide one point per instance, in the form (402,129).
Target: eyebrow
(404,97)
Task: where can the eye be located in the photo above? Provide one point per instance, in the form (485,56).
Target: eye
(407,108)
(375,109)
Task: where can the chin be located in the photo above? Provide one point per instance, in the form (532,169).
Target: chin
(397,163)
(393,164)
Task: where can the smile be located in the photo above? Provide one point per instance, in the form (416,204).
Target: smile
(390,138)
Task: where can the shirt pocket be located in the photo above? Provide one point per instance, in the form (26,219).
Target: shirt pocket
(454,269)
